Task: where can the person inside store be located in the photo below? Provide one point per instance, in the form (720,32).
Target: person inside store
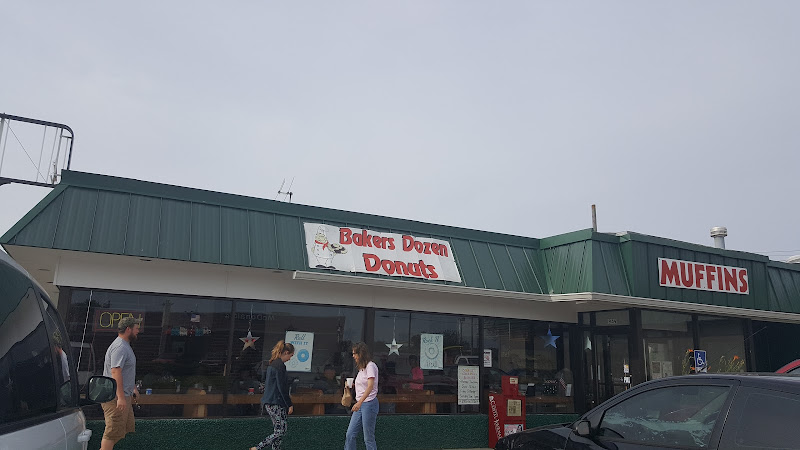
(417,377)
(246,383)
(365,410)
(276,401)
(328,384)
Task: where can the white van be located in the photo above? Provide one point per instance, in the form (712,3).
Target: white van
(39,393)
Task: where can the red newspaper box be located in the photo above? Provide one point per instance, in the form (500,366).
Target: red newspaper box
(506,411)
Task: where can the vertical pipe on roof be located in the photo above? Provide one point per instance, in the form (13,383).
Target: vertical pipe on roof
(719,233)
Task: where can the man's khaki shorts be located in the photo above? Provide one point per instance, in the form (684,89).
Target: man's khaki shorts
(118,424)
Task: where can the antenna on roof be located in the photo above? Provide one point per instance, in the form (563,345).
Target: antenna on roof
(288,191)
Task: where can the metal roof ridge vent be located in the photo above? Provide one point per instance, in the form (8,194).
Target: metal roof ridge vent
(794,259)
(719,233)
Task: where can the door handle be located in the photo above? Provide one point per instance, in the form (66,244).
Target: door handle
(85,436)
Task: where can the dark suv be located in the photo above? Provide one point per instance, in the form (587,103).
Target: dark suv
(745,411)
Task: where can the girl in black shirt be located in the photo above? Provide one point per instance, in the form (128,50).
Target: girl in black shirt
(276,401)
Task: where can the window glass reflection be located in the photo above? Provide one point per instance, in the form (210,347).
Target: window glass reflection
(668,343)
(324,336)
(418,355)
(537,353)
(27,373)
(723,340)
(181,349)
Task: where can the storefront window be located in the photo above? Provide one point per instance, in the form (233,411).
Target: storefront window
(181,350)
(667,339)
(184,348)
(418,355)
(723,340)
(322,336)
(537,353)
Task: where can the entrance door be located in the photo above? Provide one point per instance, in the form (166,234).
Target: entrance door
(613,364)
(605,364)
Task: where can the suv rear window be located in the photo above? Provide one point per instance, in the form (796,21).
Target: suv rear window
(765,421)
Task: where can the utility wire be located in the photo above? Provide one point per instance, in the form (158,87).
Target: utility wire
(23,149)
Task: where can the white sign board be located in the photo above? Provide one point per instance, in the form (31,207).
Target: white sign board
(701,276)
(365,251)
(303,342)
(469,387)
(431,351)
(487,357)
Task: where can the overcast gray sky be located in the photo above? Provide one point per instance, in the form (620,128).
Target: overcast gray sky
(510,116)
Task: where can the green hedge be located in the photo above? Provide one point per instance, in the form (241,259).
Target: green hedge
(310,433)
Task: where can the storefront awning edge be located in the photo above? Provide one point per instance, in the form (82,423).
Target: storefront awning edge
(429,287)
(581,297)
(674,305)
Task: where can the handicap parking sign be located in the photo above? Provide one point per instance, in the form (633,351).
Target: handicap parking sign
(700,361)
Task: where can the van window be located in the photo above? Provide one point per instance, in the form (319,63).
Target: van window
(27,380)
(62,357)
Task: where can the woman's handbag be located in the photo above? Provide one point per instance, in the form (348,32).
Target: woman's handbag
(347,397)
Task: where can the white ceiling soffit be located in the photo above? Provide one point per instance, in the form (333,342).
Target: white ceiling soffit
(584,301)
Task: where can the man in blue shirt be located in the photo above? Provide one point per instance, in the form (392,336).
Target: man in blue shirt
(120,364)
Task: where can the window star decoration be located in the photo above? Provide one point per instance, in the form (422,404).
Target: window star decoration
(249,340)
(549,339)
(394,347)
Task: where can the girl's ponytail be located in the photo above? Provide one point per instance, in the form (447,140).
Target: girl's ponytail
(279,348)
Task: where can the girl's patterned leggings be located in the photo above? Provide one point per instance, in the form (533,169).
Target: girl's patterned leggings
(278,416)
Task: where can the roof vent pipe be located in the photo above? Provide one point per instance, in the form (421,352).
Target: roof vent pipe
(719,233)
(794,259)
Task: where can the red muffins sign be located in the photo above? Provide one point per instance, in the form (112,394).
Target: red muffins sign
(705,277)
(364,251)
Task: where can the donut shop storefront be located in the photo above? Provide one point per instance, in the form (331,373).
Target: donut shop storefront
(219,278)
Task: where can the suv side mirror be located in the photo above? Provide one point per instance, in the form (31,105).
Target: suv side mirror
(102,389)
(583,429)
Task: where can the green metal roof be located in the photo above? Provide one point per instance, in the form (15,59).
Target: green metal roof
(104,214)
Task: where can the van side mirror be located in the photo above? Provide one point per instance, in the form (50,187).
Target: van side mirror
(101,389)
(583,429)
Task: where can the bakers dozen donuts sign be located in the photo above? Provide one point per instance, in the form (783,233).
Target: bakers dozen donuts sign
(364,251)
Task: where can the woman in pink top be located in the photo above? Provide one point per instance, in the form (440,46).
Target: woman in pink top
(365,410)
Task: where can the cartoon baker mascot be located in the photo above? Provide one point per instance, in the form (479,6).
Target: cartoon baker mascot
(324,251)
